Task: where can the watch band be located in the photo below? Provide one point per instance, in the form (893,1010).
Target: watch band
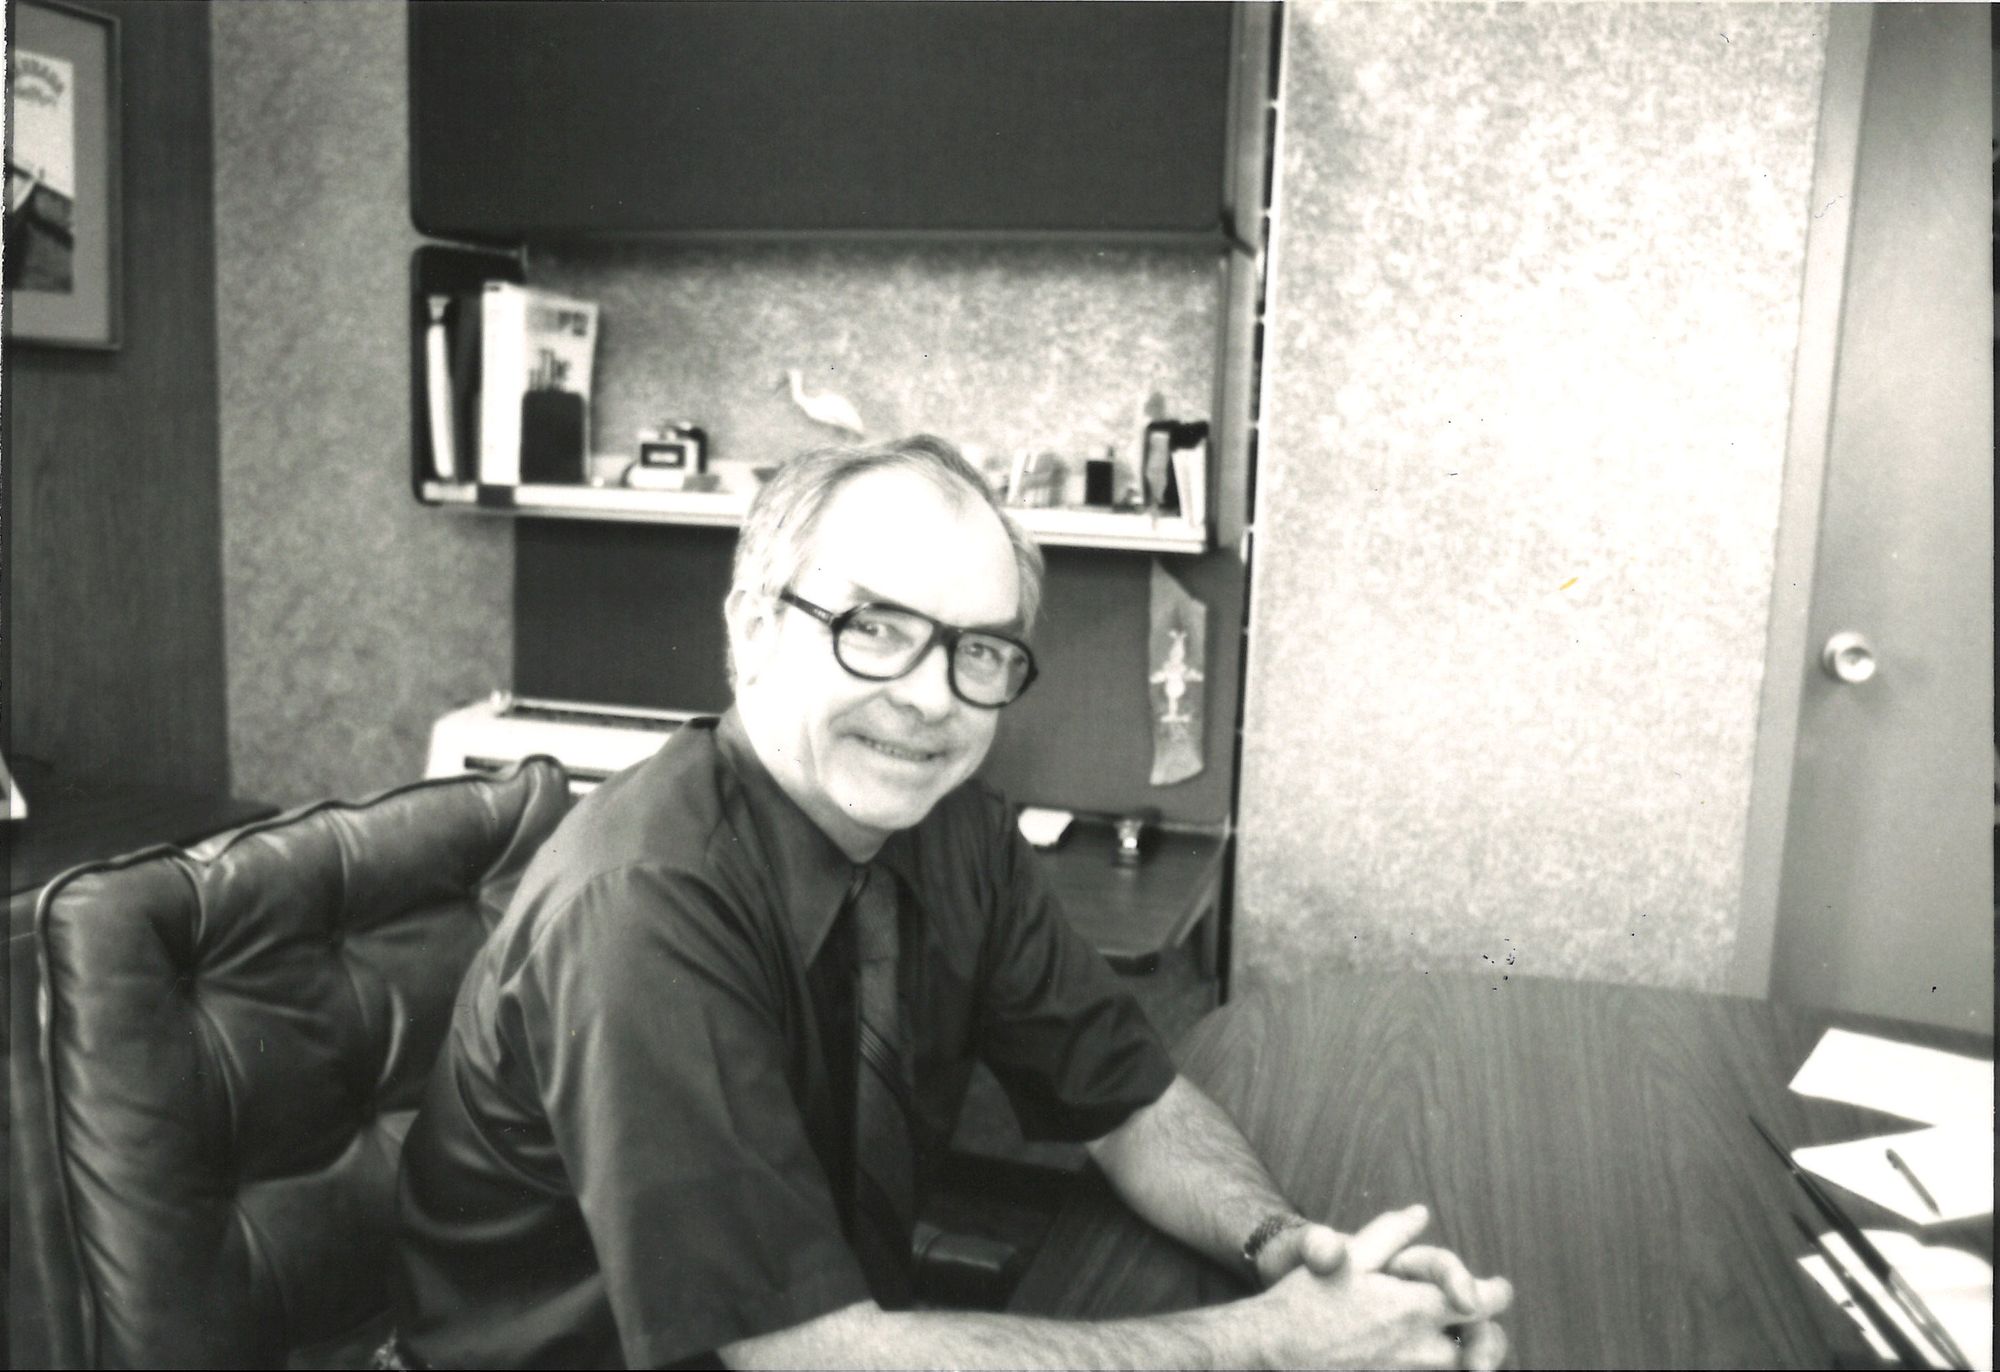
(1267,1229)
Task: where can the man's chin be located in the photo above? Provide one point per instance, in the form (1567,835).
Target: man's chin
(885,814)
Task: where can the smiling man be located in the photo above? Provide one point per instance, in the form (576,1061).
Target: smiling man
(697,1075)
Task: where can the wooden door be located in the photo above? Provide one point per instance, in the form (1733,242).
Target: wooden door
(1884,879)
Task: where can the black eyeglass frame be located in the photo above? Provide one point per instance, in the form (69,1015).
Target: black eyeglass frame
(950,634)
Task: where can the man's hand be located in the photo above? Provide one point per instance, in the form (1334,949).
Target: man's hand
(1388,1304)
(1322,1249)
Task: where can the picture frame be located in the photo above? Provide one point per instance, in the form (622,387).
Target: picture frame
(64,258)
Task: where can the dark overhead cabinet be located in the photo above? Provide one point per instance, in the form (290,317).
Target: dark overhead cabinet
(688,118)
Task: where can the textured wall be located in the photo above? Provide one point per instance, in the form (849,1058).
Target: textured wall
(1536,294)
(354,617)
(1001,347)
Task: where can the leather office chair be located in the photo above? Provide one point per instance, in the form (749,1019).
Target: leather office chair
(236,1038)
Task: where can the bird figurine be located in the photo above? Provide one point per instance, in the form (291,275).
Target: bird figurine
(825,408)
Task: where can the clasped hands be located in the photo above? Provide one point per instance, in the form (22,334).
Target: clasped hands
(1380,1299)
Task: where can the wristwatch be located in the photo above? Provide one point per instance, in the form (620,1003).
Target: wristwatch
(1267,1229)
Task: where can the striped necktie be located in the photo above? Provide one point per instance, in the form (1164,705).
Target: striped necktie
(884,1176)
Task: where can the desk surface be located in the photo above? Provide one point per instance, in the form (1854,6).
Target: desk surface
(1134,914)
(1589,1142)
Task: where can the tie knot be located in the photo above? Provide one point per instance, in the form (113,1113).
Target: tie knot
(873,897)
(875,917)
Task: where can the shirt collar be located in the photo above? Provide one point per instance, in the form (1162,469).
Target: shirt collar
(813,874)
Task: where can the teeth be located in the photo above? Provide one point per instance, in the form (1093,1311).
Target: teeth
(901,754)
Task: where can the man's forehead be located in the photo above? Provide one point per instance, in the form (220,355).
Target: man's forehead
(897,535)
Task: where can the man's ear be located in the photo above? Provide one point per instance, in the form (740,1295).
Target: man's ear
(751,619)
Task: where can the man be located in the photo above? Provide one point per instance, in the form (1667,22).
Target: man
(694,1077)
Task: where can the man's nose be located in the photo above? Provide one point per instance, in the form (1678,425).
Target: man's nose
(926,687)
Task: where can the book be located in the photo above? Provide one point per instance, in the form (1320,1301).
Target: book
(463,325)
(531,342)
(1189,483)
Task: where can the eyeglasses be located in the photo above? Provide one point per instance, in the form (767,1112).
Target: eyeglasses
(884,642)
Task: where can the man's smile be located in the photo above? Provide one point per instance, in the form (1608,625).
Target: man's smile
(900,752)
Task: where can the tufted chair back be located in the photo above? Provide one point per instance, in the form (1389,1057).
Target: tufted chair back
(235,1041)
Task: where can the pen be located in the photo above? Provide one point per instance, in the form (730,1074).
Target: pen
(1871,1256)
(1910,1176)
(1865,1299)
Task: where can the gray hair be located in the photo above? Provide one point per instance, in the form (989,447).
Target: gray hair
(777,533)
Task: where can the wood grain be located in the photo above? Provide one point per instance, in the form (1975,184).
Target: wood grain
(1589,1142)
(114,557)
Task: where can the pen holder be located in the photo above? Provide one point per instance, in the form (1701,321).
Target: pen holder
(552,437)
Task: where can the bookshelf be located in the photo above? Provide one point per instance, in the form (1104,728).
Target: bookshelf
(617,589)
(1114,530)
(450,269)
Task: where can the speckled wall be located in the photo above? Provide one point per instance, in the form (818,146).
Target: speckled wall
(1532,325)
(353,616)
(1050,347)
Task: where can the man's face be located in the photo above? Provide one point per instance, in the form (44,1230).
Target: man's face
(866,758)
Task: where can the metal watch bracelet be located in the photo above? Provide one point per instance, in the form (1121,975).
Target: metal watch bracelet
(1267,1229)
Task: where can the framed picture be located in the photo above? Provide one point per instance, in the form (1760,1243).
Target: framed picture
(62,263)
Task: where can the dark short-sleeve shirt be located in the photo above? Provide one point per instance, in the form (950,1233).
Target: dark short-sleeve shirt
(637,1144)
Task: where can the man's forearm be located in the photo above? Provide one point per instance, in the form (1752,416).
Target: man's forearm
(1184,1167)
(865,1336)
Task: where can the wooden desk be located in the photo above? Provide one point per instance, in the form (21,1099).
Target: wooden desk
(1133,915)
(1588,1142)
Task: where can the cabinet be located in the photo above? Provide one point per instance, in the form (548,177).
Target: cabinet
(990,339)
(537,121)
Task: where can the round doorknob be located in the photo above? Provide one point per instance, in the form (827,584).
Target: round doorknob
(1848,657)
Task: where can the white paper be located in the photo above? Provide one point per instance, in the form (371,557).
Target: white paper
(1954,1163)
(16,803)
(1821,1271)
(1955,1285)
(1925,1084)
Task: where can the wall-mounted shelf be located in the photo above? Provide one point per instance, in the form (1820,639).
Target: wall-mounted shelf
(1135,532)
(715,508)
(1063,528)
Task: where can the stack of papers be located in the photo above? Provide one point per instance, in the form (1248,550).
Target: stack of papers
(1957,1287)
(1951,1163)
(1931,1175)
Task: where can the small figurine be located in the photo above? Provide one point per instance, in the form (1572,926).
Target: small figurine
(1173,678)
(1177,645)
(834,411)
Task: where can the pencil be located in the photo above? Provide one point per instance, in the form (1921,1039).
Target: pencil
(1910,1176)
(1871,1256)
